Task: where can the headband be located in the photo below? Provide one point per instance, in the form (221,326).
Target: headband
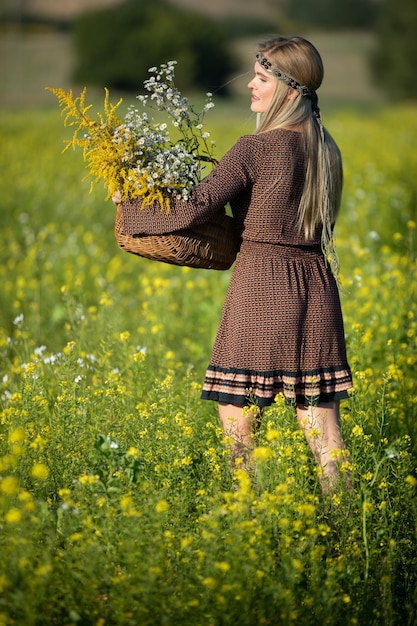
(303,90)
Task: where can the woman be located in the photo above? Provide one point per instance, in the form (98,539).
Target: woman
(281,329)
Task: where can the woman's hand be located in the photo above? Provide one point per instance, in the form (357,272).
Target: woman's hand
(117,197)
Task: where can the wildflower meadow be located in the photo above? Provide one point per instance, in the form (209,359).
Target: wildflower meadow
(118,506)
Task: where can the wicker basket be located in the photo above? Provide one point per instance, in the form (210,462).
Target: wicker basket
(213,245)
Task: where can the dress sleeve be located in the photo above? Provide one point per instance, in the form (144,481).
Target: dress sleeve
(235,172)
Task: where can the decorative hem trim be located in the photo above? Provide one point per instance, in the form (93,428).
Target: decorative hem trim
(243,387)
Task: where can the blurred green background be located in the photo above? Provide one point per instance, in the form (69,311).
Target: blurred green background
(43,42)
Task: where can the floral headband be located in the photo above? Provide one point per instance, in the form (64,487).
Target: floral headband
(303,90)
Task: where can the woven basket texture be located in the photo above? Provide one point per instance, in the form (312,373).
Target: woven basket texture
(213,245)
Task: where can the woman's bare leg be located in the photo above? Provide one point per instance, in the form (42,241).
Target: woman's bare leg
(239,424)
(321,426)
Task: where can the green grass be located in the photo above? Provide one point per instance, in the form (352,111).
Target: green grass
(117,504)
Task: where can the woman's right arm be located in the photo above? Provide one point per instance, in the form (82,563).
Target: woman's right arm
(236,171)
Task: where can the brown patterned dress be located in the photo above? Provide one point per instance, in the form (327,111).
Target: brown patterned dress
(281,330)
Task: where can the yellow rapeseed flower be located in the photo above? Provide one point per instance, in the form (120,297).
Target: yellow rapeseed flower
(88,479)
(368,476)
(306,509)
(209,582)
(105,300)
(368,507)
(272,434)
(126,502)
(17,435)
(40,471)
(13,516)
(262,453)
(29,370)
(162,506)
(43,570)
(38,443)
(297,565)
(186,542)
(69,347)
(155,571)
(411,480)
(9,485)
(18,450)
(243,479)
(223,566)
(357,431)
(27,499)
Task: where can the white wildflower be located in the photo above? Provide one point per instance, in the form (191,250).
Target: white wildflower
(18,320)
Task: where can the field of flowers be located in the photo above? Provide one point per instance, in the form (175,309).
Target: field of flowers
(117,504)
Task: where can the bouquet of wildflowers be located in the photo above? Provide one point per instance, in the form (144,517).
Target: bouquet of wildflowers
(137,155)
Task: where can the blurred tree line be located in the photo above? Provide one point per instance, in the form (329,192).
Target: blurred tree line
(116,46)
(394,63)
(333,13)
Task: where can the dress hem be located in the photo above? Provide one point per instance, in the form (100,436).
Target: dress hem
(245,387)
(246,400)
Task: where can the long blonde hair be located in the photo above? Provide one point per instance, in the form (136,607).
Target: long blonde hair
(320,201)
